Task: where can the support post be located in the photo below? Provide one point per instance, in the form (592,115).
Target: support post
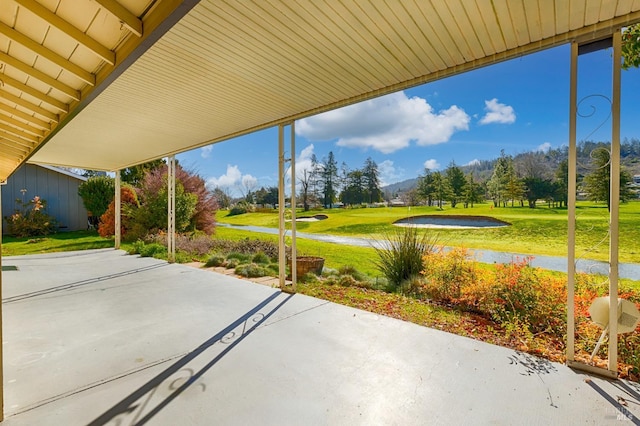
(614,194)
(118,210)
(294,271)
(571,204)
(282,259)
(171,209)
(1,319)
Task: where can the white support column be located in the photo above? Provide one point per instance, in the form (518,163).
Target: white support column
(294,272)
(571,204)
(118,210)
(282,260)
(1,320)
(171,209)
(615,203)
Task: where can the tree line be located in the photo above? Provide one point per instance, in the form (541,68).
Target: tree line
(527,178)
(324,183)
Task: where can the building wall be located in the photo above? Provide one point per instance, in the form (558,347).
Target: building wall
(58,188)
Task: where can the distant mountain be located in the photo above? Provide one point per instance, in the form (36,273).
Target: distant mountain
(403,186)
(546,163)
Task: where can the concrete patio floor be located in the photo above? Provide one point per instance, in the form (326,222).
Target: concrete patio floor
(100,337)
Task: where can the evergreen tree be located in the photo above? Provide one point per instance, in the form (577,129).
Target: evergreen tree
(456,180)
(561,183)
(536,189)
(425,188)
(354,191)
(371,181)
(135,175)
(597,183)
(329,173)
(498,182)
(514,188)
(472,191)
(441,189)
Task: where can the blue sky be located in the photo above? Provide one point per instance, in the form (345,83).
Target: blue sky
(519,105)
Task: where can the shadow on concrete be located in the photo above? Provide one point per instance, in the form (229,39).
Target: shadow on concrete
(620,404)
(143,404)
(76,284)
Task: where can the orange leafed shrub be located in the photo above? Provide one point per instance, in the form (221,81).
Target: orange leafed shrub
(518,296)
(107,226)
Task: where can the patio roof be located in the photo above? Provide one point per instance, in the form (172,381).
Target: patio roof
(105,84)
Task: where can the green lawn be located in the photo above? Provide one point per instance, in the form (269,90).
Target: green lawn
(540,231)
(335,255)
(63,241)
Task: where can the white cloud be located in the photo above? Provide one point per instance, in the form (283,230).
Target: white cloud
(432,164)
(388,173)
(233,181)
(303,162)
(498,113)
(545,147)
(228,180)
(205,151)
(249,182)
(386,124)
(473,162)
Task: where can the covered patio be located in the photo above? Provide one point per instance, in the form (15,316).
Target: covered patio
(139,340)
(106,84)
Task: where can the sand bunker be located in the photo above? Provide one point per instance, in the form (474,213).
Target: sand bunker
(451,222)
(313,218)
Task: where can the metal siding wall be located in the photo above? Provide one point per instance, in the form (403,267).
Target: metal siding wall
(10,192)
(59,190)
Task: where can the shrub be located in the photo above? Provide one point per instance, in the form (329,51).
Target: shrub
(448,272)
(204,214)
(241,208)
(240,257)
(152,214)
(136,247)
(97,193)
(152,250)
(30,219)
(276,269)
(231,263)
(195,244)
(308,278)
(129,203)
(247,246)
(401,257)
(215,261)
(260,257)
(353,272)
(514,294)
(252,270)
(521,294)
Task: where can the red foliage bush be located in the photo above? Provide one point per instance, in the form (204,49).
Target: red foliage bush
(203,219)
(129,200)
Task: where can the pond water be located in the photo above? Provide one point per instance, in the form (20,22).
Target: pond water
(451,221)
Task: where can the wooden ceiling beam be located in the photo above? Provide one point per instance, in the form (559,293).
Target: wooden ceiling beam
(21,126)
(128,19)
(73,32)
(28,105)
(9,81)
(18,137)
(40,50)
(12,148)
(39,75)
(34,121)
